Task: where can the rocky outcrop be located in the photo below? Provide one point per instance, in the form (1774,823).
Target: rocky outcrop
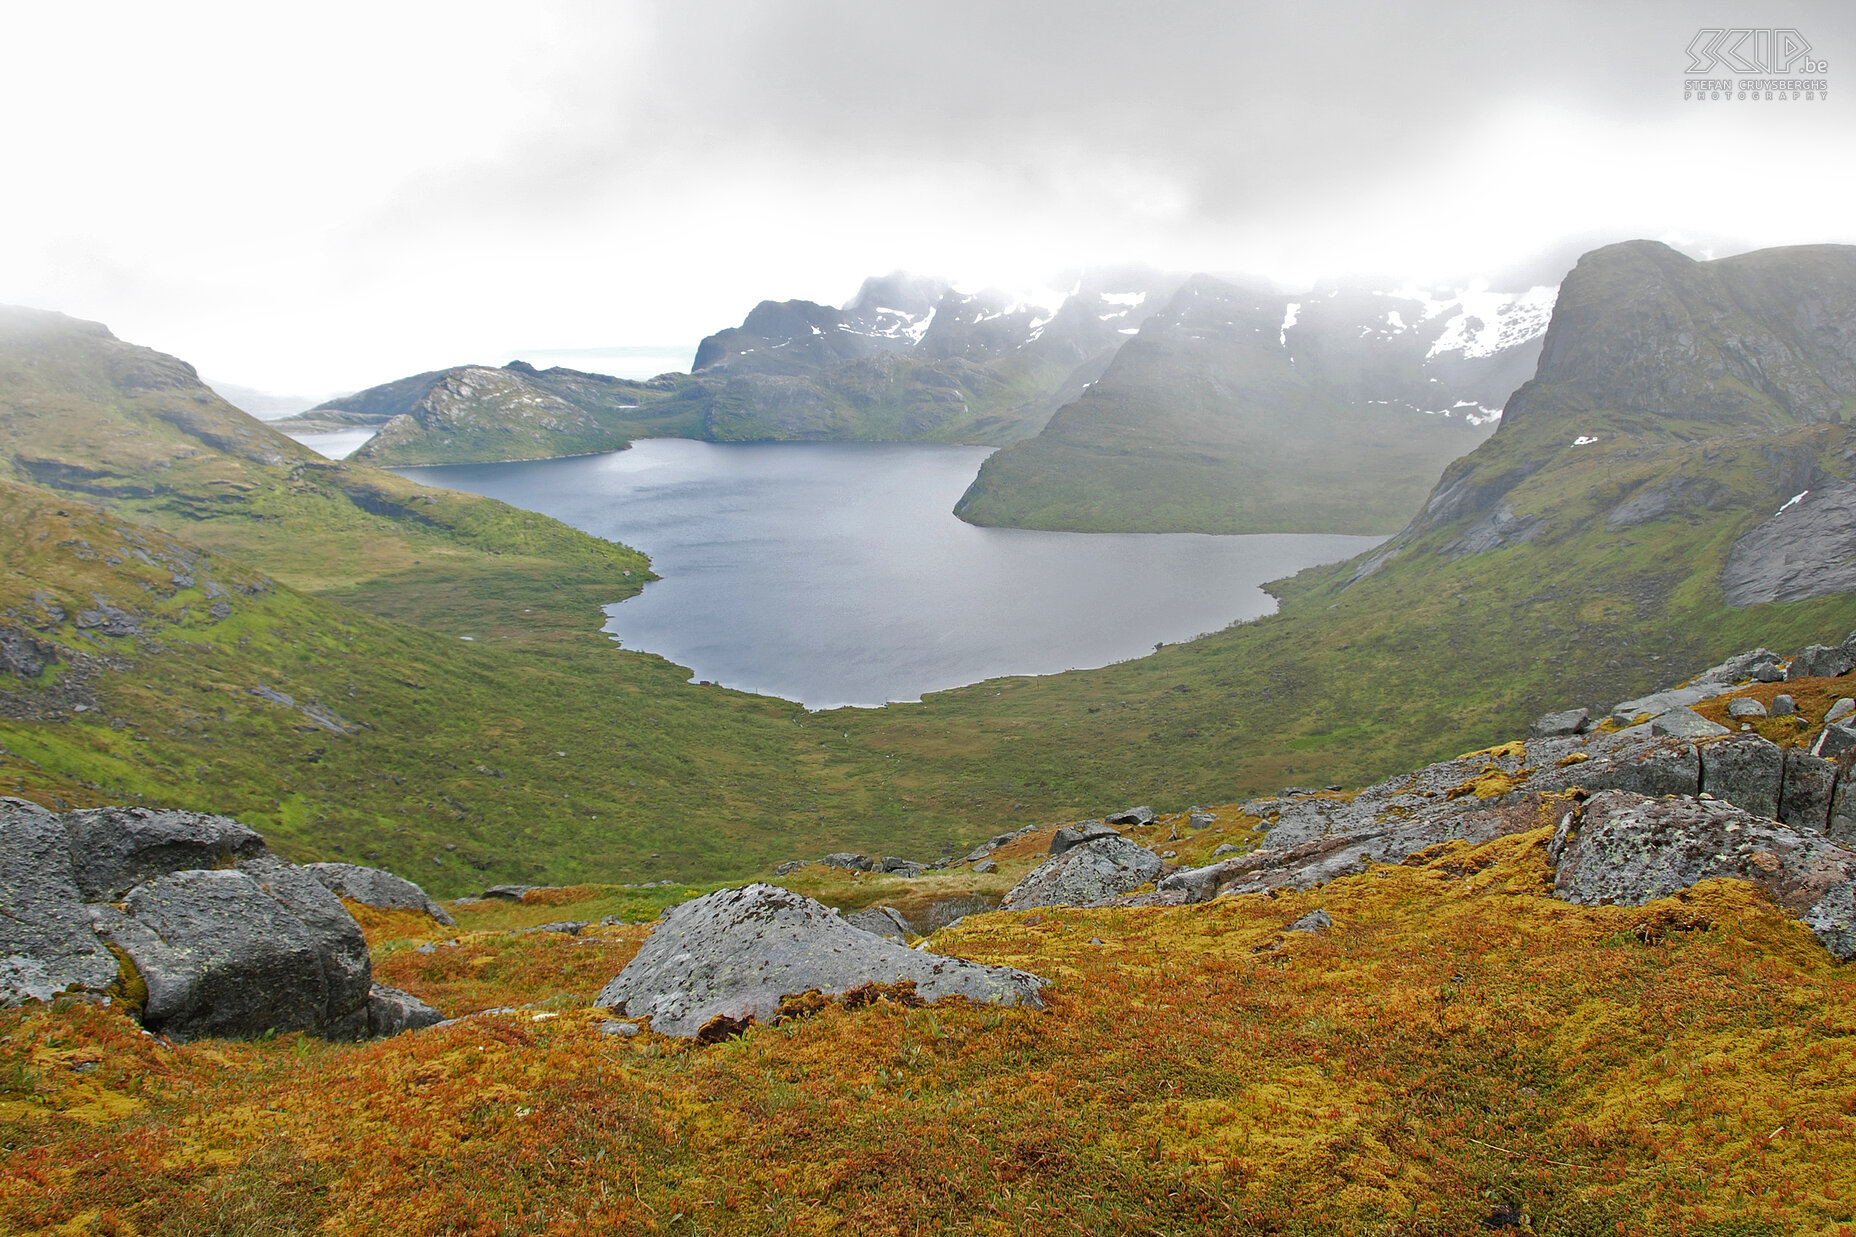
(187,918)
(729,958)
(1077,834)
(1084,875)
(1317,836)
(1625,849)
(377,888)
(1807,549)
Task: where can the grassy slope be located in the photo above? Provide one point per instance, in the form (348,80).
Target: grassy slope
(1461,1049)
(458,740)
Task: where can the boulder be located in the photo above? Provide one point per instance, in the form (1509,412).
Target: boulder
(1315,921)
(1685,723)
(1077,834)
(847,861)
(1626,850)
(984,866)
(729,958)
(1744,770)
(1133,816)
(233,942)
(114,849)
(507,893)
(1837,739)
(901,867)
(883,921)
(1783,705)
(221,956)
(379,889)
(1842,825)
(1201,820)
(1822,661)
(1567,721)
(1841,709)
(47,946)
(1745,706)
(1810,781)
(1084,875)
(390,1011)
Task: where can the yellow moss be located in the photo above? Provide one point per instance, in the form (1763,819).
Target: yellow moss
(128,989)
(1515,748)
(1491,783)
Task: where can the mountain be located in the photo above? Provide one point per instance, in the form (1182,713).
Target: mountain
(910,359)
(907,359)
(1238,410)
(1673,485)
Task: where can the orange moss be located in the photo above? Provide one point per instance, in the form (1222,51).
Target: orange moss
(1460,1046)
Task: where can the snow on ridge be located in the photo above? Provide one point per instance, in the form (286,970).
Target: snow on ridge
(1490,322)
(1130,299)
(1288,320)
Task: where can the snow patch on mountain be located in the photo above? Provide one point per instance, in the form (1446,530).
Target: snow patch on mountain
(1483,323)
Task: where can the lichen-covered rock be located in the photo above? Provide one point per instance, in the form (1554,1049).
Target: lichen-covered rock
(847,861)
(1810,781)
(1685,723)
(1564,722)
(1744,770)
(377,888)
(114,849)
(1080,832)
(1842,826)
(1084,875)
(46,943)
(391,1011)
(883,921)
(221,956)
(1833,920)
(230,940)
(1822,661)
(733,954)
(1624,849)
(1142,815)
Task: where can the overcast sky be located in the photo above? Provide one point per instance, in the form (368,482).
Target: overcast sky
(321,197)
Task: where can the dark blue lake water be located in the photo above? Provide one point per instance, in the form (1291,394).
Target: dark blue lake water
(835,573)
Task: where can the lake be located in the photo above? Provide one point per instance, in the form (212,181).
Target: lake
(836,574)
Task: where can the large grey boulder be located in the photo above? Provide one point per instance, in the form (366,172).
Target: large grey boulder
(46,944)
(377,888)
(1744,770)
(1084,875)
(1080,832)
(222,956)
(1625,850)
(1810,781)
(733,954)
(1836,739)
(1822,661)
(114,849)
(222,936)
(1142,815)
(1842,825)
(1833,920)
